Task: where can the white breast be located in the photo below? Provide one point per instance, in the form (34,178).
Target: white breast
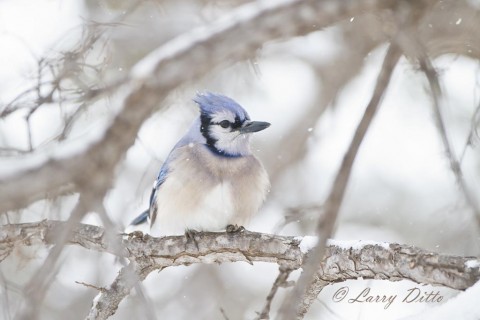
(191,198)
(216,210)
(192,206)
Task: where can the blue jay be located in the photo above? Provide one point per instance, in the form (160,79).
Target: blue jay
(210,181)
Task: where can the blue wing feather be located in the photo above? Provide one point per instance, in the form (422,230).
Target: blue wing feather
(143,217)
(162,175)
(193,136)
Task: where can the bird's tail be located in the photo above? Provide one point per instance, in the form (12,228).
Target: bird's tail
(142,218)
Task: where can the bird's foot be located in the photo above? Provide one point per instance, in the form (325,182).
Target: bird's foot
(134,234)
(190,235)
(233,228)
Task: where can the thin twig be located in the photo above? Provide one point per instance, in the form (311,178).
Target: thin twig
(224,314)
(437,97)
(279,281)
(296,214)
(13,152)
(411,45)
(327,221)
(473,132)
(101,289)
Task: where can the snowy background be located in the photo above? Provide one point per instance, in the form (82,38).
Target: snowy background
(401,188)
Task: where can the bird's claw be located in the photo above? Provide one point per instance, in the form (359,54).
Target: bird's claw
(190,235)
(134,235)
(233,228)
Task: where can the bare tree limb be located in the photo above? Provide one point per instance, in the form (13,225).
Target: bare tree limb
(107,301)
(309,284)
(342,261)
(431,75)
(303,294)
(412,46)
(327,222)
(396,261)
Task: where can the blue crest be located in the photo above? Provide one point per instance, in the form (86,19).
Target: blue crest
(211,103)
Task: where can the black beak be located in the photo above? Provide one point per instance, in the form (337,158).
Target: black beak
(254,126)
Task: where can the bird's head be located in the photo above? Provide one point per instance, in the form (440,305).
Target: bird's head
(225,125)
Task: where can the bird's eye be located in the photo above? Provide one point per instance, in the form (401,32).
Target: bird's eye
(224,124)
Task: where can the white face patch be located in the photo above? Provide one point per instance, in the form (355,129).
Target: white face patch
(227,139)
(224,115)
(230,142)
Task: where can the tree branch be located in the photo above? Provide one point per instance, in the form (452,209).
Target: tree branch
(327,222)
(342,260)
(279,281)
(106,302)
(455,166)
(412,46)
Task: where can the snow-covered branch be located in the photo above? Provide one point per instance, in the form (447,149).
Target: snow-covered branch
(343,260)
